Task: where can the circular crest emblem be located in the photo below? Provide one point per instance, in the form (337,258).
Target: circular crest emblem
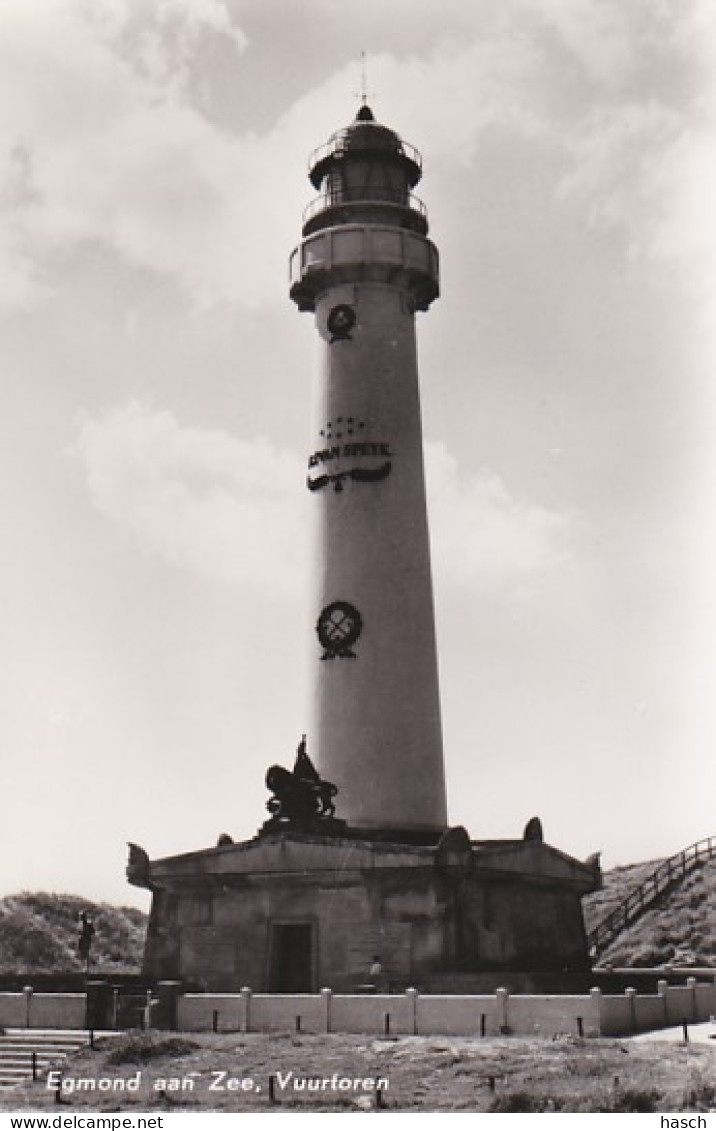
(339,626)
(341,320)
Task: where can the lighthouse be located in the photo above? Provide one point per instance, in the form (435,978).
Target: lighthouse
(364,268)
(356,859)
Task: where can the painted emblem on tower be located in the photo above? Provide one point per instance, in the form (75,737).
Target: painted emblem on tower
(361,455)
(339,626)
(341,320)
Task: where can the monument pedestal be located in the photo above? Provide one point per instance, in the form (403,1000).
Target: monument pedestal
(291,912)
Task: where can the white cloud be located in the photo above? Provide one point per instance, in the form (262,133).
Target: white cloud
(115,151)
(221,508)
(120,153)
(234,511)
(482,536)
(595,32)
(679,190)
(20,279)
(160,41)
(609,157)
(102,98)
(644,163)
(449,99)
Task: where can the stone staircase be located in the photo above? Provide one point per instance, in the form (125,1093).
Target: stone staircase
(49,1046)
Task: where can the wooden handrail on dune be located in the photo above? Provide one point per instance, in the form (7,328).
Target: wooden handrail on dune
(647,892)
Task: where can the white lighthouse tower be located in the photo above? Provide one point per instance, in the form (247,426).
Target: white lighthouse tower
(324,885)
(364,267)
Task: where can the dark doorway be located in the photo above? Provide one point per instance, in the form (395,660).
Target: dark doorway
(291,958)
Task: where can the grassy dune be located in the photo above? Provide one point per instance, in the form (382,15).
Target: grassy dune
(39,933)
(422,1073)
(679,929)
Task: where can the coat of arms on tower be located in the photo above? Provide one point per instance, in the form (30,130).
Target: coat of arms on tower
(341,320)
(339,626)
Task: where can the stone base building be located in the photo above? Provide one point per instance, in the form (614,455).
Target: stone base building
(292,912)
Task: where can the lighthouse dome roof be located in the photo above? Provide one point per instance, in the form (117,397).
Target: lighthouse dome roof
(365,114)
(365,133)
(364,138)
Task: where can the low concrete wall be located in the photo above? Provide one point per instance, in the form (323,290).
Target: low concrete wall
(680,1004)
(466,1016)
(615,1015)
(58,1011)
(307,1012)
(373,1013)
(42,1011)
(705,1000)
(588,1015)
(196,1012)
(484,1015)
(649,1011)
(672,1005)
(577,1016)
(13,1010)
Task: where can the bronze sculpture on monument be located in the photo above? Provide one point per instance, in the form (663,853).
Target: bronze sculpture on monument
(357,858)
(301,799)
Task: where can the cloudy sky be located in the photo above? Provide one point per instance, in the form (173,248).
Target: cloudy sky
(155,381)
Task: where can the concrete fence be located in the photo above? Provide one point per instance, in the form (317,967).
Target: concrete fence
(588,1015)
(478,1015)
(30,1010)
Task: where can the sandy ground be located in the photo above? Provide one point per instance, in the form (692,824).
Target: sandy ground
(702,1034)
(231,1072)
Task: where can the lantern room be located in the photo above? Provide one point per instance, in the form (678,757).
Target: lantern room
(365,174)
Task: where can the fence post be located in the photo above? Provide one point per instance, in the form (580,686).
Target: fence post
(630,994)
(326,995)
(662,988)
(412,997)
(148,1010)
(595,995)
(502,997)
(28,992)
(691,985)
(245,1011)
